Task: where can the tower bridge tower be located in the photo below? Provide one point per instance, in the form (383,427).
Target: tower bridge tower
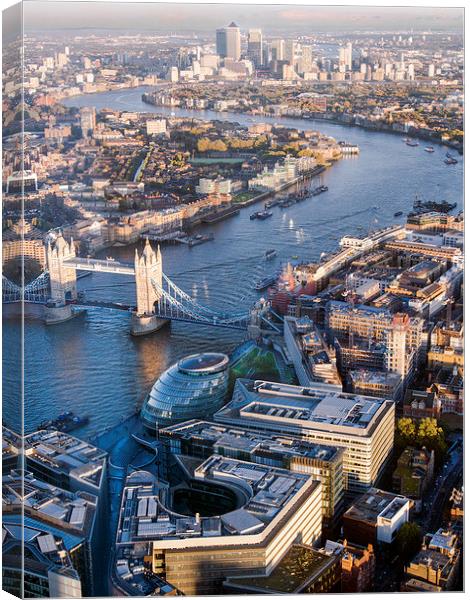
(148,268)
(63,279)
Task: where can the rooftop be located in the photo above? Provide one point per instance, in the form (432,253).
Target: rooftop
(374,377)
(433,559)
(444,541)
(374,504)
(205,362)
(136,580)
(37,544)
(147,513)
(224,437)
(300,566)
(312,407)
(66,454)
(44,502)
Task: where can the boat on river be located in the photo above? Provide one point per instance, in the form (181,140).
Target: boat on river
(429,149)
(261,215)
(67,421)
(320,190)
(264,214)
(264,283)
(420,207)
(271,203)
(286,202)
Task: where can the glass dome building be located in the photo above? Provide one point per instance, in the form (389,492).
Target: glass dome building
(193,388)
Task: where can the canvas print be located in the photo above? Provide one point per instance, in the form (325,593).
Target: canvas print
(232,299)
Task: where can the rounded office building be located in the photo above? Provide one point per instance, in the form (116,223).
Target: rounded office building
(193,388)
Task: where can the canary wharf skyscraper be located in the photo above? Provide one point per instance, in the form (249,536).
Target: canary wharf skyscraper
(228,42)
(255,46)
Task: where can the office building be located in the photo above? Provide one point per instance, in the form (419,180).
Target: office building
(155,126)
(22,181)
(314,362)
(278,50)
(379,384)
(369,323)
(47,570)
(376,517)
(342,57)
(306,63)
(348,56)
(402,336)
(302,570)
(132,565)
(353,354)
(290,52)
(362,425)
(207,187)
(435,567)
(67,462)
(221,42)
(201,439)
(173,74)
(228,43)
(193,388)
(227,518)
(255,46)
(87,120)
(55,512)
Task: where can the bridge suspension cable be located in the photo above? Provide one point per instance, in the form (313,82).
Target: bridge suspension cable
(176,304)
(35,291)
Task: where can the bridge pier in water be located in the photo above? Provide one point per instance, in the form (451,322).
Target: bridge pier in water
(145,324)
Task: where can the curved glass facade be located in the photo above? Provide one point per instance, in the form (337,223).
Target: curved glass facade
(193,388)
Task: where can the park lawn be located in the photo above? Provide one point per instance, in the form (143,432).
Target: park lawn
(256,364)
(244,196)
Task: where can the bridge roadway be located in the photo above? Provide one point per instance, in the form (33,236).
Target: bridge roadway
(85,303)
(101,266)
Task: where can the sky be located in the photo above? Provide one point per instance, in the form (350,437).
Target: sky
(41,15)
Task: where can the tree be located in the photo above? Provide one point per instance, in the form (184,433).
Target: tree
(408,540)
(203,145)
(219,146)
(306,152)
(406,428)
(429,429)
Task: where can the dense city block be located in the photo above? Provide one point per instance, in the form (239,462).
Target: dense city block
(232,295)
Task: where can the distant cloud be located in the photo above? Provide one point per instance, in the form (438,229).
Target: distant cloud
(206,17)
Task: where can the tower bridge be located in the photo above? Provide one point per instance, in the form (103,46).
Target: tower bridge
(158,299)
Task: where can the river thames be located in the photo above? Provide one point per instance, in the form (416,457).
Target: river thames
(92,365)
